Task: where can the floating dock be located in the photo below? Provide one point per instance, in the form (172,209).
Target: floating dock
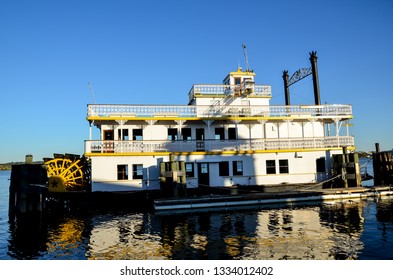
(213,201)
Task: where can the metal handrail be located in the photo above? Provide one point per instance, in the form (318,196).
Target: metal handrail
(154,146)
(206,111)
(212,89)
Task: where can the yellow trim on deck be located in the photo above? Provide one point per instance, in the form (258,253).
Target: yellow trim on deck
(175,118)
(245,152)
(241,73)
(252,95)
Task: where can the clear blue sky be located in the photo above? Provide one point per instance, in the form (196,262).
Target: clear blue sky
(143,52)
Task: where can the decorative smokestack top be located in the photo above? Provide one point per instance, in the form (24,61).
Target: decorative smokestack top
(313,55)
(313,60)
(301,74)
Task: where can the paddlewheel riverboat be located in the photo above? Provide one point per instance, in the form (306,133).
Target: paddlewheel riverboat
(228,134)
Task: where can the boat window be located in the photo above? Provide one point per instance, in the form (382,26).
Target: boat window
(122,134)
(270,167)
(237,167)
(137,134)
(186,133)
(232,133)
(283,163)
(189,169)
(137,171)
(219,133)
(223,168)
(122,172)
(172,134)
(204,168)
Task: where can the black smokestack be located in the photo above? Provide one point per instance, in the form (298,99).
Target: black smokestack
(313,59)
(285,76)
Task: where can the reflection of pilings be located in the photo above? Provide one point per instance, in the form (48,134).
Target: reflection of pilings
(27,193)
(28,236)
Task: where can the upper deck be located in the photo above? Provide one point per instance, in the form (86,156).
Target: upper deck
(193,112)
(237,98)
(212,91)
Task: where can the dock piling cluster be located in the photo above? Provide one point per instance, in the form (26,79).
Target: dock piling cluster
(383,167)
(27,188)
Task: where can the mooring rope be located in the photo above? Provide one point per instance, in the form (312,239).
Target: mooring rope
(366,163)
(323,182)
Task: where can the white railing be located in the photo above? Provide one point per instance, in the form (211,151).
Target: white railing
(256,90)
(187,111)
(154,146)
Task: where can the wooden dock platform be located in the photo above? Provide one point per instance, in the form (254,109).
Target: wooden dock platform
(211,201)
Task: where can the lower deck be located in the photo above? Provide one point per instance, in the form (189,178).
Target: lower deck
(137,173)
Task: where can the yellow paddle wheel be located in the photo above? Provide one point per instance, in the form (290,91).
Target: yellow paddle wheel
(67,173)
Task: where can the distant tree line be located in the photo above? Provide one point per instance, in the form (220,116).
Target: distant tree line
(5,166)
(8,165)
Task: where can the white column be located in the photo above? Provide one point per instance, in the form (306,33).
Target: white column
(337,131)
(263,122)
(250,135)
(347,127)
(91,130)
(208,122)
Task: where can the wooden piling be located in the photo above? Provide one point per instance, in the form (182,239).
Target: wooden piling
(173,177)
(347,165)
(383,167)
(27,189)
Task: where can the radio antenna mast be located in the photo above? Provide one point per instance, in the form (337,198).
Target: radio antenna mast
(92,93)
(245,56)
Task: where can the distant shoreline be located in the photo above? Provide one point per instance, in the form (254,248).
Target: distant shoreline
(8,166)
(5,167)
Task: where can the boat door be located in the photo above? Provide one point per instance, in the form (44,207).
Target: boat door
(108,145)
(200,139)
(203,174)
(108,134)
